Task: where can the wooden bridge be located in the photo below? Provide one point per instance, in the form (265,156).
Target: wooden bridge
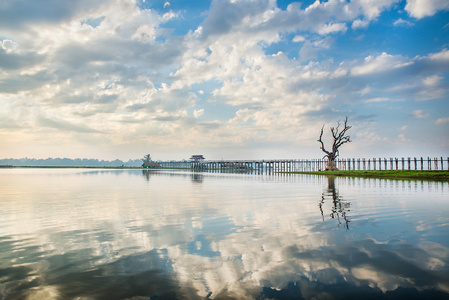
(305,165)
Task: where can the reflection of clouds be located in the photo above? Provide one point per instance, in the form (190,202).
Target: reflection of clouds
(147,275)
(361,263)
(231,236)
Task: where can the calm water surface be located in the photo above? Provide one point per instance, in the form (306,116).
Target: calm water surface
(133,234)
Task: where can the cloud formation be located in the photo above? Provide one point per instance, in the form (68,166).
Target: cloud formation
(424,8)
(248,75)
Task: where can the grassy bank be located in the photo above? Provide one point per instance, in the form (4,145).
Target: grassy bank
(387,174)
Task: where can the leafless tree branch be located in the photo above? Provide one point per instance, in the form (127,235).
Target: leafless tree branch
(322,143)
(339,137)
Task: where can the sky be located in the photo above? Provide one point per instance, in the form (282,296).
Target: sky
(229,79)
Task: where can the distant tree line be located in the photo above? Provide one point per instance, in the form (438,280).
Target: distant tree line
(68,162)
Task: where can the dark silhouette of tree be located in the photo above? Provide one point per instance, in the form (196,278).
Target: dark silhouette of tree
(339,139)
(339,207)
(147,158)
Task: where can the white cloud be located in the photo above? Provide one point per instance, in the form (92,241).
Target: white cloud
(332,28)
(169,15)
(359,24)
(145,33)
(320,17)
(198,113)
(442,121)
(9,46)
(323,43)
(423,8)
(419,114)
(380,63)
(432,81)
(379,99)
(372,9)
(401,22)
(130,69)
(298,39)
(307,52)
(442,56)
(166,4)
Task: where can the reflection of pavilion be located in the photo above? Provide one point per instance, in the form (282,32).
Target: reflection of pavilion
(198,178)
(339,206)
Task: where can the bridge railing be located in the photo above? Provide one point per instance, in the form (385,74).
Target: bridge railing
(286,165)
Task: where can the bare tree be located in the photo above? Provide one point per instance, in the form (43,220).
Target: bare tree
(147,158)
(339,139)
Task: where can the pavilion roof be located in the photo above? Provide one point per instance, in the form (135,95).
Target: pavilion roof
(197,157)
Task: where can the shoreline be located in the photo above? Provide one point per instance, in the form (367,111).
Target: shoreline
(440,175)
(384,174)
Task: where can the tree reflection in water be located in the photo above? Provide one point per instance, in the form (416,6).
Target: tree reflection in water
(339,206)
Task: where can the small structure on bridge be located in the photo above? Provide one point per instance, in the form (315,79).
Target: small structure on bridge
(197,158)
(149,164)
(197,162)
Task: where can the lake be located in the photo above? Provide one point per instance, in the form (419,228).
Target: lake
(135,234)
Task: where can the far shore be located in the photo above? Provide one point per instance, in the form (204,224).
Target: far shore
(70,167)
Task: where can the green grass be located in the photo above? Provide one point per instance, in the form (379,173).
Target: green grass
(388,174)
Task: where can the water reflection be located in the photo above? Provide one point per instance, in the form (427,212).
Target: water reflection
(147,174)
(113,236)
(197,177)
(340,207)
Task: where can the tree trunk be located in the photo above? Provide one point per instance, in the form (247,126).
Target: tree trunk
(331,165)
(339,140)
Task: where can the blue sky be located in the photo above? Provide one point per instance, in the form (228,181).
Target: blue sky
(227,79)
